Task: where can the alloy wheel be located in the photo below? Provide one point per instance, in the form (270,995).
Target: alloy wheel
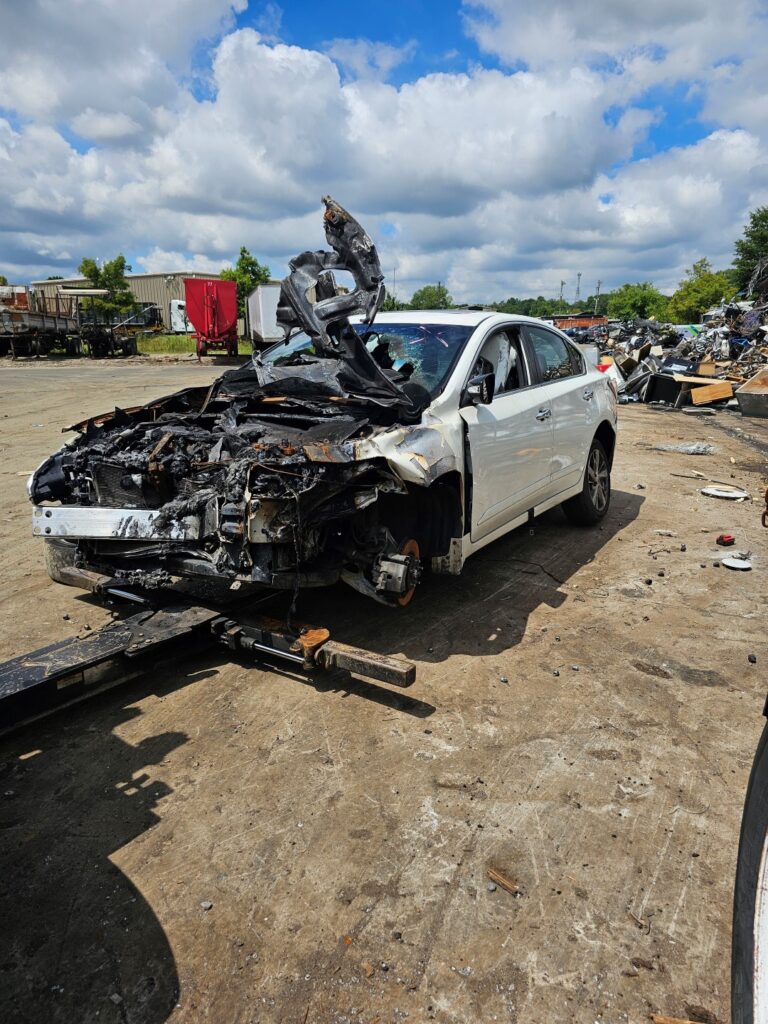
(598,480)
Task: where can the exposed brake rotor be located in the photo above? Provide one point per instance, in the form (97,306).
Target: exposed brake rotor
(397,575)
(411,551)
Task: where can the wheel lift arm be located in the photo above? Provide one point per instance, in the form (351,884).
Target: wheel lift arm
(45,680)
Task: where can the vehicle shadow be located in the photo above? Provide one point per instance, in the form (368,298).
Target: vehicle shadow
(485,610)
(80,942)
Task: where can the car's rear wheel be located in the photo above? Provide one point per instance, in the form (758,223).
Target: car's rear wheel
(749,947)
(589,507)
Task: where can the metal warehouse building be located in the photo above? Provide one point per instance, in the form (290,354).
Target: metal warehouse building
(154,289)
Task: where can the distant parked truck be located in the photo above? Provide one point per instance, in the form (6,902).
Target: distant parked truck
(263,329)
(212,311)
(178,318)
(29,328)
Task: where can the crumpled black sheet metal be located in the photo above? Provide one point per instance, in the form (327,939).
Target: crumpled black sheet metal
(325,316)
(311,302)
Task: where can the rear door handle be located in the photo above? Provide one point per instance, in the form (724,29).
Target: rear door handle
(543,414)
(587,394)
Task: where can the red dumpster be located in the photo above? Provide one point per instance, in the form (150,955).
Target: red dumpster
(212,311)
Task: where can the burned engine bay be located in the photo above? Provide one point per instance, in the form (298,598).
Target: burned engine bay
(272,476)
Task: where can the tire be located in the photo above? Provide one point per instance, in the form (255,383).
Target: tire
(589,507)
(749,974)
(59,554)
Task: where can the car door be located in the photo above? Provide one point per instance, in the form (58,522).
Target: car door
(562,368)
(509,441)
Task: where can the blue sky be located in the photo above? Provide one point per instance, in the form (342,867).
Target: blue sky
(497,145)
(437,28)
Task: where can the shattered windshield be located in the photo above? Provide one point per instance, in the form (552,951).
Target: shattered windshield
(431,349)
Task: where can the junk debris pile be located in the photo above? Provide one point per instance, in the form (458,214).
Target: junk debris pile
(723,363)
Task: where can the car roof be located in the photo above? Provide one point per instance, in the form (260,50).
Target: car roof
(463,317)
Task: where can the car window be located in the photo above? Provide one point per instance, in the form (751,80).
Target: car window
(430,349)
(577,357)
(283,353)
(553,355)
(501,354)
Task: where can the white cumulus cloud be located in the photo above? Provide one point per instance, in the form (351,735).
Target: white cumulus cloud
(166,132)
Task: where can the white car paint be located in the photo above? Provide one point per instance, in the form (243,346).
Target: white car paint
(522,463)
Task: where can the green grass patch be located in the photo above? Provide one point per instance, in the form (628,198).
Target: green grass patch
(162,344)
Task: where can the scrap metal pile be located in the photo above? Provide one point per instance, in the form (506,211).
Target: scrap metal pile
(723,362)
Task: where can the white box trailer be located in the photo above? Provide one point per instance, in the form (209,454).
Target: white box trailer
(263,328)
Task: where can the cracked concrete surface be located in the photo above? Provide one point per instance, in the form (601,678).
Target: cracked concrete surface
(342,832)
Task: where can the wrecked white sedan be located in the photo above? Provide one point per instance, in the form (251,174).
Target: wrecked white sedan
(364,448)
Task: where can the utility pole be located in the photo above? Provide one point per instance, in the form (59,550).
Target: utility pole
(394,281)
(597,295)
(578,288)
(560,300)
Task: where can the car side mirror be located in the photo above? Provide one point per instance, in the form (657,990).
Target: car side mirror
(479,390)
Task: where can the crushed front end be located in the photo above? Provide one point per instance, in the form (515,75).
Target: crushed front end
(224,488)
(269,478)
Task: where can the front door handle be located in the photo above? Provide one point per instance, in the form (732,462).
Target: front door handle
(543,414)
(587,394)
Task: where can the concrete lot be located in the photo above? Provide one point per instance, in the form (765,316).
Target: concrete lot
(583,720)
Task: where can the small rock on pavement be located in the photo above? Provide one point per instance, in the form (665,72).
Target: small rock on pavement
(503,679)
(492,887)
(752,659)
(700,1014)
(556,672)
(206,904)
(116,999)
(65,618)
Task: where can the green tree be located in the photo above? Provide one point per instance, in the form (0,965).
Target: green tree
(641,300)
(431,296)
(246,273)
(596,304)
(3,279)
(700,289)
(751,247)
(111,276)
(391,304)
